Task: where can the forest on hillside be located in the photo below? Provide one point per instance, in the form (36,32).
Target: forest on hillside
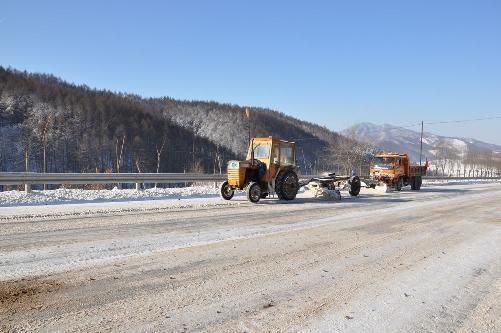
(49,125)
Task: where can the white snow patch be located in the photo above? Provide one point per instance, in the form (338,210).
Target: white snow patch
(460,181)
(458,144)
(71,196)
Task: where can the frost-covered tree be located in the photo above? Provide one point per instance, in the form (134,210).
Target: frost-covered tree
(41,119)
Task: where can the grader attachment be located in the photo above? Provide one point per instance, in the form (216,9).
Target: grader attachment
(329,185)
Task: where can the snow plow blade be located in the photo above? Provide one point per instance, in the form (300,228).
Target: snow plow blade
(328,185)
(383,188)
(316,190)
(372,187)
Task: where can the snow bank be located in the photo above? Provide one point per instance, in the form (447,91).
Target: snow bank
(459,181)
(76,196)
(71,196)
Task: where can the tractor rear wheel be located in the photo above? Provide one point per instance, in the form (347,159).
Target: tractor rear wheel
(287,185)
(253,192)
(226,191)
(355,185)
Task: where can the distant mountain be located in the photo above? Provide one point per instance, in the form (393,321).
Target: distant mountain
(389,137)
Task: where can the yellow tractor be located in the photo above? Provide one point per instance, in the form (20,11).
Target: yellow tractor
(269,169)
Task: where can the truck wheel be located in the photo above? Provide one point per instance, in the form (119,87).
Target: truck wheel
(253,192)
(287,185)
(398,184)
(226,191)
(355,186)
(413,183)
(419,182)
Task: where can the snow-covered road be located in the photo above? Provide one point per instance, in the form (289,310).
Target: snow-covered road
(415,261)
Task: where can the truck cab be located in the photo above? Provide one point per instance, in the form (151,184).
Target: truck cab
(389,166)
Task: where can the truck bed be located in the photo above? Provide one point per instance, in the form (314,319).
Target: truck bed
(417,170)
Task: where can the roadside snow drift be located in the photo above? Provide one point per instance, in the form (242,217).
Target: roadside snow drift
(71,196)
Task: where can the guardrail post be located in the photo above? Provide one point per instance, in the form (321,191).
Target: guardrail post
(138,186)
(27,188)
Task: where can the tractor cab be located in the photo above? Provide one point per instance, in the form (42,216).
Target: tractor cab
(269,155)
(269,150)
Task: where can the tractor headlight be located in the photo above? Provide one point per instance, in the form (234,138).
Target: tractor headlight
(233,165)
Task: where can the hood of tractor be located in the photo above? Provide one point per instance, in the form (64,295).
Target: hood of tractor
(236,172)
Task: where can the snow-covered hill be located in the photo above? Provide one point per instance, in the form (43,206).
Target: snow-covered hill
(395,138)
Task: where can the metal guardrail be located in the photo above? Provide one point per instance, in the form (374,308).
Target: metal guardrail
(20,178)
(31,178)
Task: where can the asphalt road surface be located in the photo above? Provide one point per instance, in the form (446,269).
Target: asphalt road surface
(427,261)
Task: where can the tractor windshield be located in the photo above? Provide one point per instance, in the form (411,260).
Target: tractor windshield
(261,151)
(286,155)
(384,162)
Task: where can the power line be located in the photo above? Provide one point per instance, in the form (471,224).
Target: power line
(462,121)
(451,121)
(409,126)
(305,139)
(414,125)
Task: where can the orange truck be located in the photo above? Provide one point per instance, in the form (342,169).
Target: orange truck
(394,170)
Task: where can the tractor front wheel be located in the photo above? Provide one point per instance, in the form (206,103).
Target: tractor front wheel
(226,191)
(287,185)
(254,192)
(355,185)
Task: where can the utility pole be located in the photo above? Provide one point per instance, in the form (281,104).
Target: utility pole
(193,152)
(421,149)
(247,113)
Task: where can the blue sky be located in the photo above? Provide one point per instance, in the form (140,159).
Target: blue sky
(330,62)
